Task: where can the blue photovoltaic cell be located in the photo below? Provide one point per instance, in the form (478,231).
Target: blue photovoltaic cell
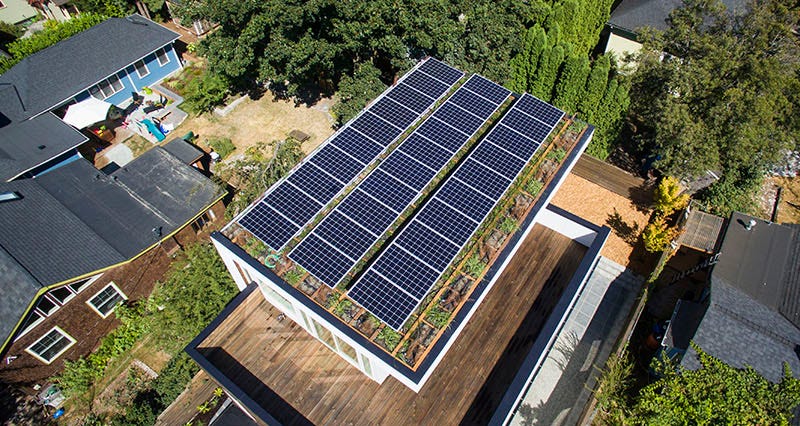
(446,221)
(334,161)
(473,102)
(345,235)
(376,129)
(547,113)
(407,170)
(459,119)
(383,299)
(406,272)
(488,89)
(442,134)
(357,145)
(440,71)
(498,160)
(526,125)
(512,141)
(372,215)
(426,84)
(393,112)
(268,226)
(314,181)
(295,205)
(465,199)
(425,151)
(481,178)
(388,190)
(427,246)
(404,94)
(320,259)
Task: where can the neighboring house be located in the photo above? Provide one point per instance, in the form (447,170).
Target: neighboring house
(750,314)
(630,16)
(291,349)
(199,27)
(74,242)
(16,12)
(109,61)
(59,10)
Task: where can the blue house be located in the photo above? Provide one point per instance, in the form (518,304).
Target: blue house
(109,61)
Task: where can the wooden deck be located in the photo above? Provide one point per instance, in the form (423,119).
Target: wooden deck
(299,381)
(613,179)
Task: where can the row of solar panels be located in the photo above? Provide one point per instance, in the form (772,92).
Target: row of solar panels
(348,232)
(294,202)
(395,284)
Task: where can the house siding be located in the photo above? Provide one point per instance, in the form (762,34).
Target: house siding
(135,279)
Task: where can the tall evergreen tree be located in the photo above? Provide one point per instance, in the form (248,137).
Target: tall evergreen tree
(571,82)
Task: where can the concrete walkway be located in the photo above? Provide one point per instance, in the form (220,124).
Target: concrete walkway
(562,387)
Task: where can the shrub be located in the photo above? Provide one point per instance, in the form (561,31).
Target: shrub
(389,337)
(534,186)
(205,92)
(474,266)
(668,197)
(437,317)
(657,235)
(557,155)
(223,146)
(293,276)
(508,225)
(355,91)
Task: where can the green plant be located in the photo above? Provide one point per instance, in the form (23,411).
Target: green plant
(218,392)
(223,146)
(657,235)
(254,247)
(557,154)
(437,316)
(534,186)
(668,196)
(474,266)
(612,389)
(205,92)
(204,407)
(389,337)
(293,275)
(508,225)
(343,307)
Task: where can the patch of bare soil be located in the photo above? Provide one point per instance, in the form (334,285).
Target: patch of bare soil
(789,207)
(262,120)
(603,207)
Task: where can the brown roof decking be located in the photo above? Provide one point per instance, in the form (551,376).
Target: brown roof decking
(296,379)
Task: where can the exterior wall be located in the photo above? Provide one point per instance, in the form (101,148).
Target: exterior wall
(133,83)
(136,280)
(621,46)
(568,227)
(16,11)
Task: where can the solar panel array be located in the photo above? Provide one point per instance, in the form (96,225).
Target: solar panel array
(393,287)
(342,239)
(291,204)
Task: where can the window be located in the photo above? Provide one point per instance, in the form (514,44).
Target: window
(162,56)
(79,286)
(46,306)
(106,88)
(62,294)
(325,335)
(274,298)
(141,68)
(34,318)
(367,366)
(51,345)
(202,221)
(106,300)
(347,350)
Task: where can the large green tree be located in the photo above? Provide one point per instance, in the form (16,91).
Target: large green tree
(725,98)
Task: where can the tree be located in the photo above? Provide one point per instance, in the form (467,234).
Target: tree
(668,196)
(657,235)
(356,90)
(571,83)
(595,87)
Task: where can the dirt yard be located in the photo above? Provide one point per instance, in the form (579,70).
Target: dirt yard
(789,208)
(263,120)
(603,207)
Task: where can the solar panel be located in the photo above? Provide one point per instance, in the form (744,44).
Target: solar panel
(473,102)
(370,214)
(488,89)
(346,155)
(443,135)
(318,256)
(423,150)
(542,111)
(447,221)
(397,181)
(441,72)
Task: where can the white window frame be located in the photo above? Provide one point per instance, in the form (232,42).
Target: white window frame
(63,333)
(166,55)
(144,64)
(86,284)
(99,90)
(97,310)
(32,325)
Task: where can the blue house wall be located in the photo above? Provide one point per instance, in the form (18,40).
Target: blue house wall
(131,80)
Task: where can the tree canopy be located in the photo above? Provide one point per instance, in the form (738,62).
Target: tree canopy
(725,97)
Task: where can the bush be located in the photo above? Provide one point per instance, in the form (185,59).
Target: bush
(657,236)
(174,377)
(205,92)
(390,337)
(437,317)
(474,266)
(668,198)
(534,186)
(223,146)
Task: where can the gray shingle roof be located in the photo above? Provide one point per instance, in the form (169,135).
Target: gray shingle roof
(52,75)
(184,151)
(634,14)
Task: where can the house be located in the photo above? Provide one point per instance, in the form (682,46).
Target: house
(750,313)
(76,241)
(16,12)
(109,61)
(59,10)
(630,16)
(370,289)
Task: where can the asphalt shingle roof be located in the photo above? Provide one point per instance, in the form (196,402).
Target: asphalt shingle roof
(634,14)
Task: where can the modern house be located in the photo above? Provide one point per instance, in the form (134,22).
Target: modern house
(109,61)
(630,16)
(76,241)
(750,313)
(413,255)
(16,12)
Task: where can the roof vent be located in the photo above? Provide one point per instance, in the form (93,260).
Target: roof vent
(42,146)
(134,21)
(750,224)
(9,196)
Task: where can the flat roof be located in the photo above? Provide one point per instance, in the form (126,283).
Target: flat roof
(273,367)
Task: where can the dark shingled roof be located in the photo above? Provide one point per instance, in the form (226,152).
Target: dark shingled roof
(27,144)
(231,415)
(51,76)
(184,151)
(76,220)
(634,14)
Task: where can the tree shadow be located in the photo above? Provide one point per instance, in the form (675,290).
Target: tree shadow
(642,196)
(628,232)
